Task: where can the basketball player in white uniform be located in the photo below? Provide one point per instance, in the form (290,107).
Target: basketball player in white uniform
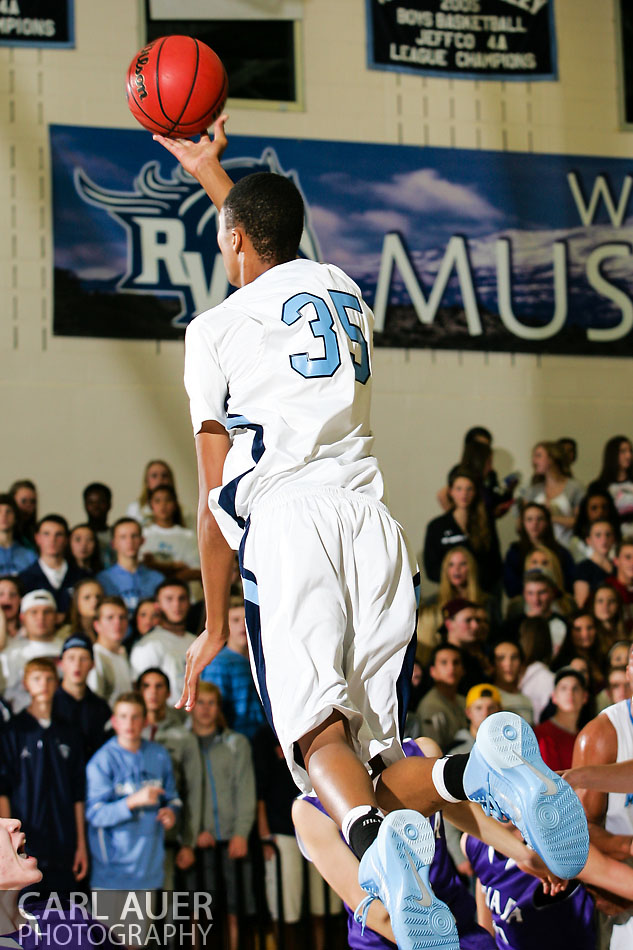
(609,739)
(278,378)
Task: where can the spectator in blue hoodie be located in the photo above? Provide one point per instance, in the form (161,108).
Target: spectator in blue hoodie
(131,800)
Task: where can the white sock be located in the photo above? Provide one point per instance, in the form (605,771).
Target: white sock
(355,813)
(437,775)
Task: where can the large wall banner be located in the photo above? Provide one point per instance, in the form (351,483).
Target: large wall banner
(454,249)
(463,39)
(48,23)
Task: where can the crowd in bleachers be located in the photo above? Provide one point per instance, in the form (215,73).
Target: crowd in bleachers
(117,789)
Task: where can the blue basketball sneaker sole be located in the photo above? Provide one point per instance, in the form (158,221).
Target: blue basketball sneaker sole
(395,869)
(505,771)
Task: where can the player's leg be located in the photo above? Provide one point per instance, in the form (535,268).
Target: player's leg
(341,781)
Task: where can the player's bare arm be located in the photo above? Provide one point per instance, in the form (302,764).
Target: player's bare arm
(617,778)
(597,744)
(202,160)
(216,561)
(336,862)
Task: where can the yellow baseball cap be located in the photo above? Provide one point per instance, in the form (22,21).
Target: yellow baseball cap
(483,689)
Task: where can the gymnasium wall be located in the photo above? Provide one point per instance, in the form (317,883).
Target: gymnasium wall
(75,410)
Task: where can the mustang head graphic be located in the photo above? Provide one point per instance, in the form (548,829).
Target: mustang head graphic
(171,232)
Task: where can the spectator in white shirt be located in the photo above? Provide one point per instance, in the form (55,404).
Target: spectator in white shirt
(111,674)
(167,545)
(38,614)
(167,644)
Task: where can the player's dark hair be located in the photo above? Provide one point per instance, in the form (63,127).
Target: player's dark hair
(270,209)
(54,519)
(98,487)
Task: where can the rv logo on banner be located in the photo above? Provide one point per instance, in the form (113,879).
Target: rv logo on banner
(171,231)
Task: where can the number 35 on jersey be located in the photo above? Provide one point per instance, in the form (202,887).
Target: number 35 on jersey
(320,314)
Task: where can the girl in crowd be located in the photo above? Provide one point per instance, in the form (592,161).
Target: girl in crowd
(157,472)
(553,486)
(535,527)
(458,578)
(83,549)
(583,640)
(10,599)
(24,494)
(591,572)
(14,557)
(509,663)
(167,545)
(466,524)
(87,596)
(144,619)
(597,505)
(606,606)
(537,680)
(617,477)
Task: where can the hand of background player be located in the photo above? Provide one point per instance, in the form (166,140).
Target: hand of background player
(80,864)
(238,847)
(537,868)
(195,156)
(204,649)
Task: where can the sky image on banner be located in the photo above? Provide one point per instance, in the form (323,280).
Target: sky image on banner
(453,248)
(463,39)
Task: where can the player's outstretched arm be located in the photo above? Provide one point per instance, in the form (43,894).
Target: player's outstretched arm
(597,744)
(335,862)
(202,160)
(216,561)
(617,777)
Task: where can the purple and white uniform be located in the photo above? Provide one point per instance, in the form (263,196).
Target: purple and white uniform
(446,884)
(523,917)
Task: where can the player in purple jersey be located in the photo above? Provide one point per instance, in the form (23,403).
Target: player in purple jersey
(323,843)
(523,916)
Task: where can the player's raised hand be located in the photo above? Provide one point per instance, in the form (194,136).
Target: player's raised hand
(196,156)
(204,649)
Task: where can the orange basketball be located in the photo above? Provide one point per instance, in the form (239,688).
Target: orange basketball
(176,86)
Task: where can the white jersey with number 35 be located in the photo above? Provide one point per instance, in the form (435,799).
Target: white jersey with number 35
(284,364)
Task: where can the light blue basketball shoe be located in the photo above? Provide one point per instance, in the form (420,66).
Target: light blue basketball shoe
(507,776)
(395,869)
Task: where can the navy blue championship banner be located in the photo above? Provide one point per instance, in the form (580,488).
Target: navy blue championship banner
(453,248)
(48,23)
(463,39)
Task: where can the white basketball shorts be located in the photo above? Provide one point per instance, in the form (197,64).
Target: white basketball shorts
(330,611)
